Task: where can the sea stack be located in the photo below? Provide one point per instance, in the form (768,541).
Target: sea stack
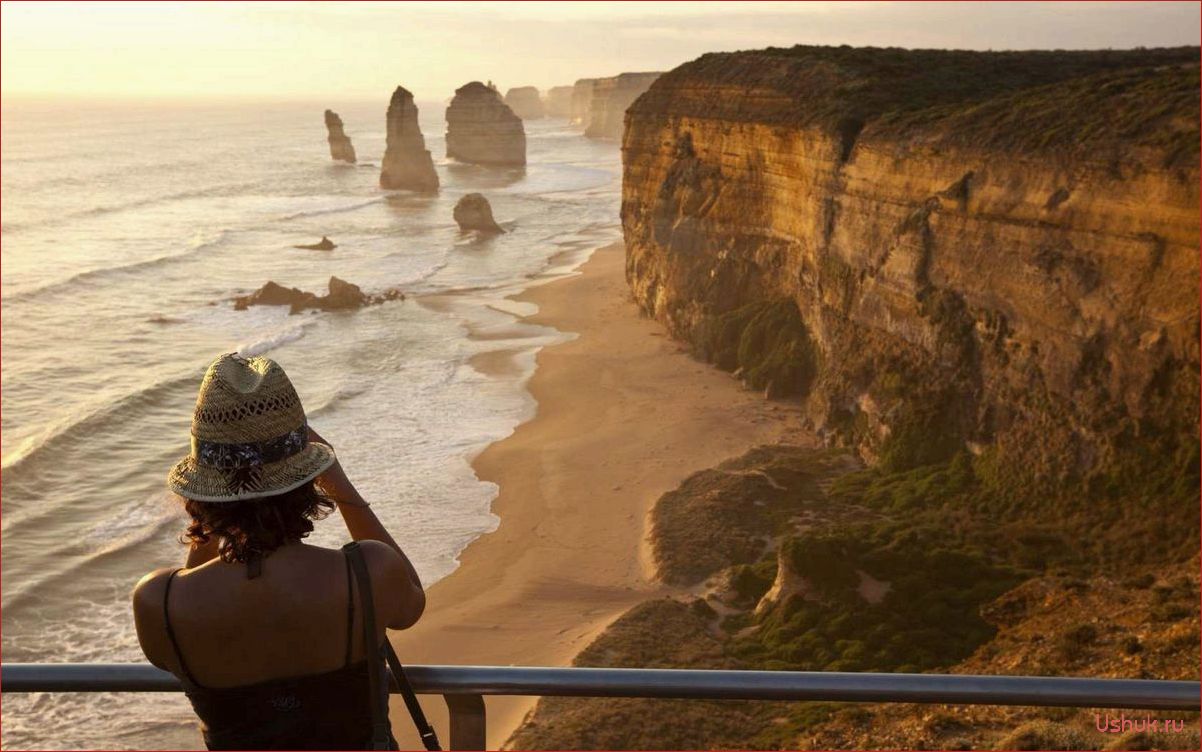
(582,99)
(341,149)
(611,97)
(472,212)
(407,162)
(558,102)
(481,129)
(525,102)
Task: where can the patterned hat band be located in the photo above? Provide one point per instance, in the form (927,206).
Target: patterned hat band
(252,454)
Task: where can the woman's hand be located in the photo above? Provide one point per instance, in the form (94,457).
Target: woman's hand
(333,483)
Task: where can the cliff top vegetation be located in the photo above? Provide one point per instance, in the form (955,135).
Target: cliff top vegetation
(1086,97)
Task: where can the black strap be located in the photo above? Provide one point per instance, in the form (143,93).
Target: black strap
(381,732)
(424,729)
(179,656)
(350,612)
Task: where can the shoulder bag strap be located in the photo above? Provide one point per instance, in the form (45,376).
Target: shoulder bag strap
(424,729)
(381,732)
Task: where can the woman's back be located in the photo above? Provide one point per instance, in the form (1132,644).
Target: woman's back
(266,633)
(273,661)
(290,620)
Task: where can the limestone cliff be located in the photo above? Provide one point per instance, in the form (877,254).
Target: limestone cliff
(525,102)
(991,251)
(341,149)
(558,102)
(582,98)
(407,162)
(481,129)
(609,100)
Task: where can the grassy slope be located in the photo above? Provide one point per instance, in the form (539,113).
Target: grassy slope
(963,593)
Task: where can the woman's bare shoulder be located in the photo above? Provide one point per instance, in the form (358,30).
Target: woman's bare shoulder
(151,588)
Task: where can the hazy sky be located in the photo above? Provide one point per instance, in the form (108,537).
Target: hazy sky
(339,51)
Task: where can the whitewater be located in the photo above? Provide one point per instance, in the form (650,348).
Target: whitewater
(126,232)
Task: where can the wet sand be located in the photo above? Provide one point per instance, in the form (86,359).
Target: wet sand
(624,415)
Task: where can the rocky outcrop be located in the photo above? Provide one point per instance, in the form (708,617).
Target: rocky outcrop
(407,162)
(340,144)
(992,252)
(610,99)
(525,102)
(481,129)
(341,296)
(558,102)
(325,244)
(582,98)
(472,212)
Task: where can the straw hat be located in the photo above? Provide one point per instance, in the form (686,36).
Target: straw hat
(249,435)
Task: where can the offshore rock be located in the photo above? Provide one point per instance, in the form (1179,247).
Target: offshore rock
(473,212)
(582,99)
(341,149)
(1001,265)
(341,296)
(324,245)
(481,129)
(525,102)
(610,99)
(558,102)
(407,163)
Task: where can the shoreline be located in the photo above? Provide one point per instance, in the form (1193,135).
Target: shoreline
(623,415)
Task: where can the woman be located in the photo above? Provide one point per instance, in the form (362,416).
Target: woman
(265,631)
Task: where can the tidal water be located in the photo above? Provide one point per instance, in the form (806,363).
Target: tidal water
(125,233)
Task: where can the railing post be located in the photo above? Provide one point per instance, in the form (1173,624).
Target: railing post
(467,721)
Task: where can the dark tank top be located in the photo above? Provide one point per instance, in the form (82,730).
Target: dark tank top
(314,711)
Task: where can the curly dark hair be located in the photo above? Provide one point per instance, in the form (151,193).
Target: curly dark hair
(251,527)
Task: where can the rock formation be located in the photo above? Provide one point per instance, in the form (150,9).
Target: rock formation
(472,212)
(341,296)
(525,102)
(325,245)
(481,129)
(610,99)
(582,98)
(999,261)
(340,144)
(558,102)
(407,163)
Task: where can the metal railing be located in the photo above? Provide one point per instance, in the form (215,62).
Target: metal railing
(464,687)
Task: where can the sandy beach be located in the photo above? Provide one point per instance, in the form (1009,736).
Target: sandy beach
(624,414)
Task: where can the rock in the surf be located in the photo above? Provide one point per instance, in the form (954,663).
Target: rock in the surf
(274,294)
(407,163)
(325,245)
(341,296)
(341,149)
(481,129)
(525,102)
(473,212)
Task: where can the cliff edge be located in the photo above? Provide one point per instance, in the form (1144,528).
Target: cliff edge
(938,250)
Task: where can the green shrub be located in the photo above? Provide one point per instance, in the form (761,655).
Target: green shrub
(767,341)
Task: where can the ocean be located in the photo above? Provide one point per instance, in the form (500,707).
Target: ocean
(127,231)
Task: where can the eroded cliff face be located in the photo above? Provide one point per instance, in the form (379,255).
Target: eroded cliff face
(481,129)
(341,149)
(525,102)
(608,100)
(582,98)
(558,102)
(987,251)
(407,163)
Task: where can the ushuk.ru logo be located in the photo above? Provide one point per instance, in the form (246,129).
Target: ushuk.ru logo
(1121,724)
